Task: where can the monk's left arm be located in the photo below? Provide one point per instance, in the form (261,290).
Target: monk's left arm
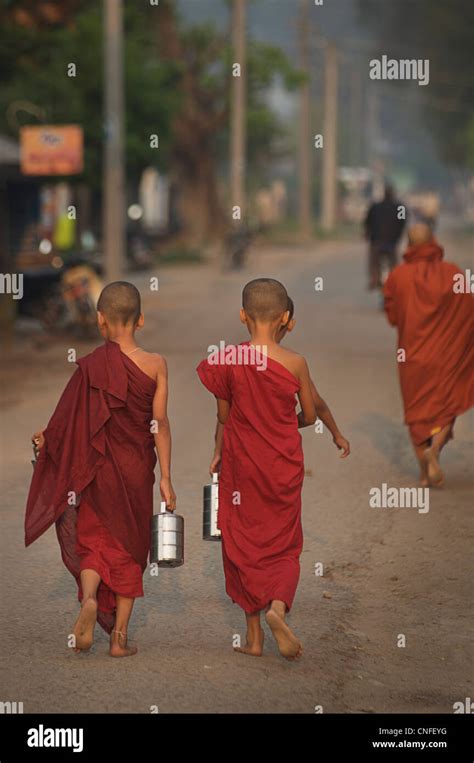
(218,437)
(323,412)
(160,416)
(217,455)
(163,434)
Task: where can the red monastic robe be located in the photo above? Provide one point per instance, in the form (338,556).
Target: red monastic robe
(99,449)
(260,481)
(436,330)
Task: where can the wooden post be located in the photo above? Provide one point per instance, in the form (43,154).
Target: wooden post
(238,110)
(114,225)
(305,152)
(329,159)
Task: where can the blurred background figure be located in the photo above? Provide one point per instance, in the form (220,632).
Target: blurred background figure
(384,226)
(425,207)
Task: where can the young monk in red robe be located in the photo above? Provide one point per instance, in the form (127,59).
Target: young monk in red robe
(322,409)
(262,467)
(95,471)
(435,330)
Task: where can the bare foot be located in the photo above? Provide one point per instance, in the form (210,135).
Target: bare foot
(254,645)
(433,469)
(118,645)
(84,626)
(287,642)
(424,481)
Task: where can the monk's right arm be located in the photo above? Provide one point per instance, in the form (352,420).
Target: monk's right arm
(163,434)
(323,412)
(38,439)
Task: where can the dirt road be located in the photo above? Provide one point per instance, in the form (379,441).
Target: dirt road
(387,572)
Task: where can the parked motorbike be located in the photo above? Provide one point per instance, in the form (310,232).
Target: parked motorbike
(81,287)
(61,298)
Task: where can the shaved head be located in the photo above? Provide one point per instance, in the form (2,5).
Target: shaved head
(264,299)
(120,303)
(419,234)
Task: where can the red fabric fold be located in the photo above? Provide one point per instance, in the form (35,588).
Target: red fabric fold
(98,453)
(260,482)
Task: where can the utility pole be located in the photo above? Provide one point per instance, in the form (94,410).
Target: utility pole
(372,124)
(329,159)
(355,116)
(374,160)
(305,153)
(114,175)
(238,110)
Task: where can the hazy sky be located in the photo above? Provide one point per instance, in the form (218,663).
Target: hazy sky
(275,20)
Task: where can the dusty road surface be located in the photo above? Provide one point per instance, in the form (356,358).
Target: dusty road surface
(388,573)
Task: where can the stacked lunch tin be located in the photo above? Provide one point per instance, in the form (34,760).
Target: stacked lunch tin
(167,538)
(210,531)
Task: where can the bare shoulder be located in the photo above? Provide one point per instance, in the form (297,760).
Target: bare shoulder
(160,360)
(301,366)
(295,362)
(153,364)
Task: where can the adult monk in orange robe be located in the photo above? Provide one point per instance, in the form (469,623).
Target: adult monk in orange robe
(435,323)
(95,471)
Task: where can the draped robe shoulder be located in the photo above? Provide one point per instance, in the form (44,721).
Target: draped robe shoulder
(260,481)
(94,476)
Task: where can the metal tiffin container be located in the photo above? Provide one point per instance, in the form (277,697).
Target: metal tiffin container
(167,538)
(210,531)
